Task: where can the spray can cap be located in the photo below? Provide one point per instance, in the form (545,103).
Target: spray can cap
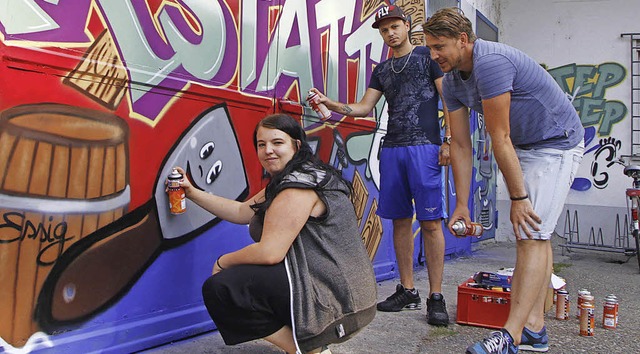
(175,174)
(458,227)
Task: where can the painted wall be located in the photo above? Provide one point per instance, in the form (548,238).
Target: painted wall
(580,43)
(101,98)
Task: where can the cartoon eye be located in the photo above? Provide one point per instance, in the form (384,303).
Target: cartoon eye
(214,172)
(207,150)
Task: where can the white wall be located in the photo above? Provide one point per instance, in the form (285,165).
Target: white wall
(490,9)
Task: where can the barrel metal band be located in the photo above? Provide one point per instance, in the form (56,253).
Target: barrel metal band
(42,204)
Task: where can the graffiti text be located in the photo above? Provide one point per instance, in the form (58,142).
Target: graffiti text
(586,86)
(49,232)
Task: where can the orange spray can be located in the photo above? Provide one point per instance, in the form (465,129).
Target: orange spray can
(177,201)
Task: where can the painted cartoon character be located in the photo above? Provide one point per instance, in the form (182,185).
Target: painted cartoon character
(100,268)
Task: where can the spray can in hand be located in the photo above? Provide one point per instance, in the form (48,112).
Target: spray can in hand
(314,101)
(461,229)
(177,202)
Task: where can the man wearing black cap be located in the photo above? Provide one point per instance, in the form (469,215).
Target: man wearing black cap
(410,159)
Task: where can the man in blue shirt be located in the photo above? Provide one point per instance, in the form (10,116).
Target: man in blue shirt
(410,159)
(537,140)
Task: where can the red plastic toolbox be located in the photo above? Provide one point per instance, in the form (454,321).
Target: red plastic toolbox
(482,307)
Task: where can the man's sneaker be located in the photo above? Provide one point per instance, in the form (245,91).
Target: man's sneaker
(402,299)
(534,342)
(437,310)
(499,342)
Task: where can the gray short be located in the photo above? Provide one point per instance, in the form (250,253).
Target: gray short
(548,175)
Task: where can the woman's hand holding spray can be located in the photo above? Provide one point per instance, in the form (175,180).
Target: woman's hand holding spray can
(177,202)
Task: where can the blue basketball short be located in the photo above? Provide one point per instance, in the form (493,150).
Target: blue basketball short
(411,175)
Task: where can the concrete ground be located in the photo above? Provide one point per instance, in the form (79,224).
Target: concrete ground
(408,331)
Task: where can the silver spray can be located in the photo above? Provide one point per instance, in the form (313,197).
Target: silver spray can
(461,229)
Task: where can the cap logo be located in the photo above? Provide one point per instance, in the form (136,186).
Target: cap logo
(384,11)
(390,11)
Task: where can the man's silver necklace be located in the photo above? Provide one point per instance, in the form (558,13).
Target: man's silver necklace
(405,63)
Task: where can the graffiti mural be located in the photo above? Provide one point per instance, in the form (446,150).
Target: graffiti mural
(599,220)
(586,86)
(101,98)
(485,172)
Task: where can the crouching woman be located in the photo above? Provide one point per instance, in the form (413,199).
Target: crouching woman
(307,281)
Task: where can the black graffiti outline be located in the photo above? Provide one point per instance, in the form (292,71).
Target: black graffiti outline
(608,145)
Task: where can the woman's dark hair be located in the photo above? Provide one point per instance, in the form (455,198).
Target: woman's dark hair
(303,160)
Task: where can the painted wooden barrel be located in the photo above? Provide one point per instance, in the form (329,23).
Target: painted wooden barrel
(63,174)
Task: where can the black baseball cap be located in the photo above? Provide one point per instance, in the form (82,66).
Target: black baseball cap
(390,11)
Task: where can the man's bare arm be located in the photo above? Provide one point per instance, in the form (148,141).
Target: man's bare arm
(359,109)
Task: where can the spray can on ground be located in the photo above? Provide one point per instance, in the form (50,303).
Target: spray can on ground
(610,312)
(323,112)
(587,313)
(562,305)
(461,229)
(177,202)
(580,300)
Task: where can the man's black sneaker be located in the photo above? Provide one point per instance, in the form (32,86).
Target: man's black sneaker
(437,310)
(402,299)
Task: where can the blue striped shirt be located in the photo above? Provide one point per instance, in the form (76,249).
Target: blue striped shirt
(540,114)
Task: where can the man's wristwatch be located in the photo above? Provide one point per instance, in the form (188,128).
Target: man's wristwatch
(447,139)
